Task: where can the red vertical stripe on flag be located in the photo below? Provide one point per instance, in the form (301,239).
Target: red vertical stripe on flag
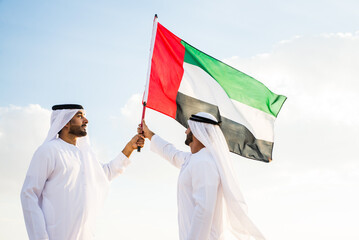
(166,72)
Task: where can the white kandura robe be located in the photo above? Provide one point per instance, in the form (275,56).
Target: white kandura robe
(199,191)
(64,189)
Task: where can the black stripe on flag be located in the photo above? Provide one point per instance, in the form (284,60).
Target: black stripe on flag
(239,139)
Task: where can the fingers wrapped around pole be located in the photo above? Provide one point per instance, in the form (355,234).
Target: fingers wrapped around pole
(141,125)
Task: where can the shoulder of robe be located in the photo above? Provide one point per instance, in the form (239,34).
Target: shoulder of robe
(203,166)
(203,155)
(46,149)
(203,159)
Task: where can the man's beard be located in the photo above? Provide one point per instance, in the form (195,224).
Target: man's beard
(189,138)
(77,131)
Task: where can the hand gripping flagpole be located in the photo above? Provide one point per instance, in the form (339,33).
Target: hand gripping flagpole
(145,95)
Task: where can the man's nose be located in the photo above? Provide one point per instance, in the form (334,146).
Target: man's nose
(86,120)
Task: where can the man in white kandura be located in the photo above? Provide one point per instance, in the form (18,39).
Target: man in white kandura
(209,199)
(65,185)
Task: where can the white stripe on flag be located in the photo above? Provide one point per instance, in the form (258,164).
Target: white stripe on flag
(199,84)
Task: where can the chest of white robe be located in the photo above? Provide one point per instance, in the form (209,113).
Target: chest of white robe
(70,198)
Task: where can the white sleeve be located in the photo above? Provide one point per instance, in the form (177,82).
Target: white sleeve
(116,167)
(168,151)
(40,169)
(205,183)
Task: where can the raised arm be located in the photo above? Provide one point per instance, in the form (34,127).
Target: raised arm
(164,148)
(40,169)
(168,151)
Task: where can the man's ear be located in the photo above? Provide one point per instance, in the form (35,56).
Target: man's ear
(66,126)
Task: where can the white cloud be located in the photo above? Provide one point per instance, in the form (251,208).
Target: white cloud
(318,74)
(309,184)
(132,108)
(318,124)
(340,35)
(315,163)
(22,131)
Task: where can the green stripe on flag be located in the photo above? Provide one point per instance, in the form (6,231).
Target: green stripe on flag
(236,84)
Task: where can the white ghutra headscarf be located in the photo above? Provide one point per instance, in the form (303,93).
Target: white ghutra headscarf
(60,116)
(205,128)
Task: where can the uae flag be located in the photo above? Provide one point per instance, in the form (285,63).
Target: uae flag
(183,80)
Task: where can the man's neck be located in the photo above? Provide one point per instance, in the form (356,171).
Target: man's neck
(71,139)
(196,147)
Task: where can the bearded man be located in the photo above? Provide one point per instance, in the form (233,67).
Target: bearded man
(210,203)
(65,185)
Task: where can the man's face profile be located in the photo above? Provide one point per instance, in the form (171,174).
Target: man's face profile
(78,124)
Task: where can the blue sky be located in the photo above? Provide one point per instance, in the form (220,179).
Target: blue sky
(101,47)
(96,53)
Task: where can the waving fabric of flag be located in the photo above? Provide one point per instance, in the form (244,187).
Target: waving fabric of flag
(184,80)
